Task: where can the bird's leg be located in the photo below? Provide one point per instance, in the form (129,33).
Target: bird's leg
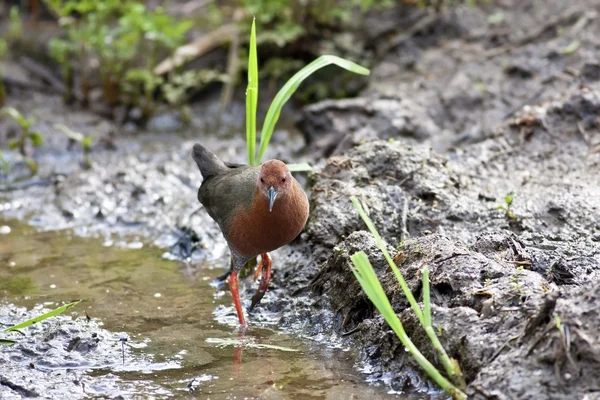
(258,269)
(265,262)
(235,293)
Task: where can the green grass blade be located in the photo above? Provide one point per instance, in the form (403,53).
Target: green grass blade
(42,317)
(15,114)
(367,278)
(252,97)
(7,342)
(426,297)
(380,243)
(303,167)
(454,373)
(291,86)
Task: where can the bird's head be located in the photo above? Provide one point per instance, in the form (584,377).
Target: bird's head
(274,180)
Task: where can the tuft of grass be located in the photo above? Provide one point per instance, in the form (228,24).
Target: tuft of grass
(508,201)
(35,320)
(284,94)
(26,134)
(84,141)
(366,276)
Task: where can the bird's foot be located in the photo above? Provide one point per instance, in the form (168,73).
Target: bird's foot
(235,293)
(265,268)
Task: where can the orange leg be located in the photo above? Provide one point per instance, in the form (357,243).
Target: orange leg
(265,268)
(258,268)
(235,293)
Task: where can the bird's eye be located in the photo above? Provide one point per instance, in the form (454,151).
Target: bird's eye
(262,180)
(282,180)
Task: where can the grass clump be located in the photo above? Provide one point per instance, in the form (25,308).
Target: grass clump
(280,99)
(507,207)
(26,135)
(367,278)
(124,39)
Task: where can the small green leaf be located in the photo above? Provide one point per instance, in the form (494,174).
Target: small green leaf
(570,48)
(42,317)
(71,134)
(33,167)
(17,116)
(36,139)
(303,167)
(496,18)
(87,142)
(508,199)
(15,27)
(13,144)
(3,48)
(557,320)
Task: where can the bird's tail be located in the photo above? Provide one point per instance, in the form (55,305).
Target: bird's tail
(207,161)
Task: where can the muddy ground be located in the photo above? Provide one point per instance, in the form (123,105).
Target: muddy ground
(52,359)
(462,109)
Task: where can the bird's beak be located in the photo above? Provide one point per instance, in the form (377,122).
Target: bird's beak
(272,193)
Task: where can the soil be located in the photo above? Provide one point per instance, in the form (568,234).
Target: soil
(513,113)
(465,109)
(52,359)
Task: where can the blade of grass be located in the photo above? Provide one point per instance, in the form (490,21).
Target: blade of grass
(379,241)
(454,373)
(7,342)
(426,297)
(291,86)
(42,317)
(367,278)
(303,167)
(448,363)
(252,97)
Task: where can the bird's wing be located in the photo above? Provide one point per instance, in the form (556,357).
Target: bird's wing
(222,194)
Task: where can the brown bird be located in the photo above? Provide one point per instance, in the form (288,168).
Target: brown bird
(259,209)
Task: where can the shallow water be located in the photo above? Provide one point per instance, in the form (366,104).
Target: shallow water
(171,306)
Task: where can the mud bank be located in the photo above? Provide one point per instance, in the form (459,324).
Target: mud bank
(517,118)
(515,290)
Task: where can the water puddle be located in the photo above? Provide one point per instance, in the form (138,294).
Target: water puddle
(167,310)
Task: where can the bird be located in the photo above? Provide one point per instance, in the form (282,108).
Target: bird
(258,209)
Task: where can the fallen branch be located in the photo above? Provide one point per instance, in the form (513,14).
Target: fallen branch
(197,48)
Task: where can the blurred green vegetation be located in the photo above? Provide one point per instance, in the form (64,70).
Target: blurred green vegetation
(124,39)
(114,46)
(26,135)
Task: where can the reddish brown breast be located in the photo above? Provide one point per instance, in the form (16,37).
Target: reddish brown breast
(254,230)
